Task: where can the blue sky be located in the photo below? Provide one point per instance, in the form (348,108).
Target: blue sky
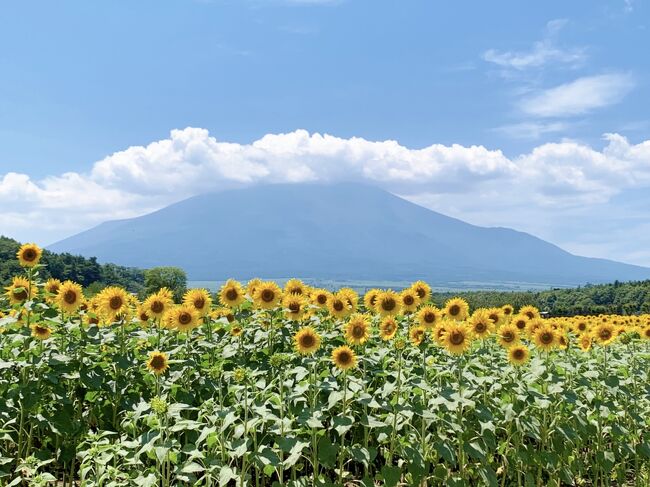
(536,85)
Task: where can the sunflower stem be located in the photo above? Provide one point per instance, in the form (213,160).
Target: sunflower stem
(344,411)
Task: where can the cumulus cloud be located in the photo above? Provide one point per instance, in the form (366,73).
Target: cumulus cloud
(476,183)
(579,96)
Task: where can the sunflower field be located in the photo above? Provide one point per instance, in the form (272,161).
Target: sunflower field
(260,385)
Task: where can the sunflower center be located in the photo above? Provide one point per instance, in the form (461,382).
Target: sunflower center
(231,294)
(389,327)
(429,317)
(70,296)
(344,357)
(494,317)
(521,324)
(115,302)
(338,305)
(267,295)
(40,330)
(546,338)
(29,255)
(93,321)
(184,318)
(457,338)
(530,314)
(507,311)
(388,304)
(508,336)
(518,354)
(454,310)
(144,317)
(480,327)
(420,292)
(373,300)
(230,317)
(358,331)
(53,288)
(307,341)
(199,303)
(20,294)
(408,300)
(157,307)
(294,307)
(605,334)
(158,362)
(322,299)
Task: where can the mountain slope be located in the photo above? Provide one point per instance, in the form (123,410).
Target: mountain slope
(343,231)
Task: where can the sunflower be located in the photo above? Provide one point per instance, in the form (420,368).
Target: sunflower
(267,295)
(158,362)
(19,290)
(508,310)
(200,299)
(508,335)
(295,286)
(584,342)
(357,330)
(529,311)
(70,297)
(417,334)
(231,294)
(307,341)
(29,255)
(521,322)
(143,317)
(344,357)
(533,325)
(236,330)
(157,305)
(604,334)
(113,302)
(456,337)
(580,327)
(251,287)
(51,289)
(645,332)
(388,303)
(183,318)
(409,300)
(429,316)
(497,316)
(319,297)
(387,328)
(370,299)
(295,306)
(422,290)
(350,296)
(439,331)
(40,332)
(518,354)
(456,309)
(338,306)
(545,337)
(481,323)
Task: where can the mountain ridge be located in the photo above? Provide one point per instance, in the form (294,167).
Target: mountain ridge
(345,230)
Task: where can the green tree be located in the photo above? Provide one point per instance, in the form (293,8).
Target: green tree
(173,278)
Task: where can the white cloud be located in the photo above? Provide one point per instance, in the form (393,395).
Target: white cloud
(579,96)
(531,192)
(542,53)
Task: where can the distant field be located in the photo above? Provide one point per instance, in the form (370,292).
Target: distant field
(362,286)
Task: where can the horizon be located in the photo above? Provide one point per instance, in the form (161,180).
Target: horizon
(537,121)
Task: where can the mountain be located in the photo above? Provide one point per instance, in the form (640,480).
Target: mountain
(340,232)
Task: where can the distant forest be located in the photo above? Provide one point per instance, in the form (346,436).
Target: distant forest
(86,271)
(618,297)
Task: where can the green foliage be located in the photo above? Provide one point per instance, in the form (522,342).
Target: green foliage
(85,271)
(593,299)
(173,278)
